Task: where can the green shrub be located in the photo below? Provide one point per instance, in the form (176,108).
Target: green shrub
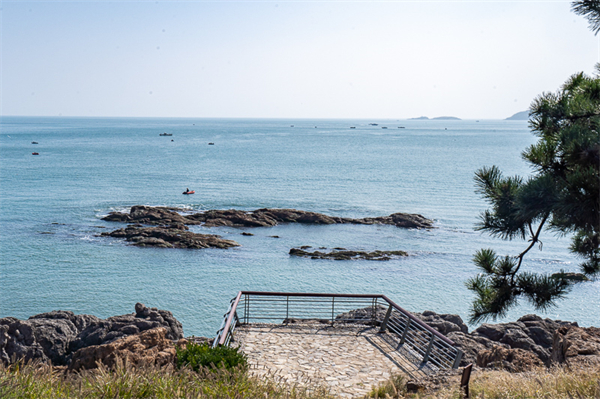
(197,356)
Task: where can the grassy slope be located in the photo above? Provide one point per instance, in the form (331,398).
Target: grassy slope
(38,381)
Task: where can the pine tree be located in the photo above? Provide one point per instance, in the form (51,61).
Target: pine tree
(562,195)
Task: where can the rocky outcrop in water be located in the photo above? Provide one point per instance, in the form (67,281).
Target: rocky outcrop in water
(172,236)
(53,337)
(258,218)
(344,254)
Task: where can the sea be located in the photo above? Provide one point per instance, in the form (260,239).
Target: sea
(52,256)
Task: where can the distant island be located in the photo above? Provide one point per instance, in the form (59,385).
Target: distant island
(519,116)
(439,118)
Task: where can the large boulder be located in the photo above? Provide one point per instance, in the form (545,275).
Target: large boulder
(149,348)
(576,346)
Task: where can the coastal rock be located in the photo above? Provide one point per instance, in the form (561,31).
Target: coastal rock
(513,360)
(444,323)
(53,337)
(369,315)
(471,345)
(342,254)
(576,346)
(173,236)
(530,332)
(112,328)
(17,341)
(149,348)
(44,337)
(259,218)
(528,342)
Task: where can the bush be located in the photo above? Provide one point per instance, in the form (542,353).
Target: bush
(198,356)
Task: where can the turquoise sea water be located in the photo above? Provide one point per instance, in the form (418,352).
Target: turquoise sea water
(51,205)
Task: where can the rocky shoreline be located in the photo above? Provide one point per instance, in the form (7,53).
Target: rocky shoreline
(149,337)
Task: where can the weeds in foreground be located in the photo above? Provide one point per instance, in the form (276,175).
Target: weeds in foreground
(197,356)
(41,381)
(557,383)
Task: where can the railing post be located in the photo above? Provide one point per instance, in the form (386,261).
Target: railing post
(457,359)
(374,311)
(287,308)
(405,331)
(247,308)
(426,357)
(332,308)
(386,319)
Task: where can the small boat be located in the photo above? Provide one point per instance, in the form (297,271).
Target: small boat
(384,127)
(400,127)
(35,153)
(189,192)
(166,134)
(35,142)
(352,127)
(373,124)
(211,143)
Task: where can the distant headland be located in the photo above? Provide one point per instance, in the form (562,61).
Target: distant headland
(519,116)
(439,118)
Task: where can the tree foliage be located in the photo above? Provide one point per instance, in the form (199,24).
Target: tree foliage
(562,195)
(591,10)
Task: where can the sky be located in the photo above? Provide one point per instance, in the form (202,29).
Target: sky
(287,59)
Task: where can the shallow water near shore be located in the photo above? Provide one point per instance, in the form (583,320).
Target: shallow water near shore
(51,208)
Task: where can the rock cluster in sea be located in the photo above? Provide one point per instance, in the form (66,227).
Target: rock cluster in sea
(171,229)
(78,341)
(171,236)
(344,254)
(258,218)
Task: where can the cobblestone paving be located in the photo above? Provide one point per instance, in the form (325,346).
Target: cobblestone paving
(349,359)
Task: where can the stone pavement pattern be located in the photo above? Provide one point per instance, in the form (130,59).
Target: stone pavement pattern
(350,359)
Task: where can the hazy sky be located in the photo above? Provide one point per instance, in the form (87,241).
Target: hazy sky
(318,59)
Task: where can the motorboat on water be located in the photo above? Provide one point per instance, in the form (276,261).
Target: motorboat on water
(166,134)
(189,192)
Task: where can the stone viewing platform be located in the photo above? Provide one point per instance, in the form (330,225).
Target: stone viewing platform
(350,359)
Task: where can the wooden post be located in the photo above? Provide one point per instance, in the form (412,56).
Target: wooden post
(464,381)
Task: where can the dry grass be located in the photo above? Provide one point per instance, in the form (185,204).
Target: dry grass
(558,383)
(45,382)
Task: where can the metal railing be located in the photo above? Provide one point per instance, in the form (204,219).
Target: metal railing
(411,335)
